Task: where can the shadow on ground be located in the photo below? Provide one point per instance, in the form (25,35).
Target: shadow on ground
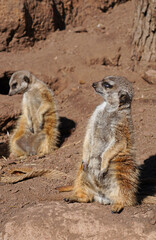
(66,127)
(147,178)
(4,150)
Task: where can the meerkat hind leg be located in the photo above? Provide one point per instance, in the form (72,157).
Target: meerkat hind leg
(81,193)
(117,207)
(39,139)
(80,197)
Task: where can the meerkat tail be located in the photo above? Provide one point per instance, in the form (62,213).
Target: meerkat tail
(65,188)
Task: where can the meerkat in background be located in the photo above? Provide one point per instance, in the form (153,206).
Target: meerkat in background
(37,127)
(108,173)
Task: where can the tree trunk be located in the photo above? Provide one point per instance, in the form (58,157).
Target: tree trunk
(144,37)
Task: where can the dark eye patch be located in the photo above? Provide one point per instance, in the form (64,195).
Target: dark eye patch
(14,85)
(106,85)
(26,79)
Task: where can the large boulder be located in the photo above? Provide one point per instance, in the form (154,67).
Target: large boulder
(59,220)
(22,22)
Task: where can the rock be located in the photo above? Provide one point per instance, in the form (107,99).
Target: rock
(106,61)
(104,6)
(150,76)
(111,61)
(80,29)
(101,26)
(82,82)
(59,220)
(22,22)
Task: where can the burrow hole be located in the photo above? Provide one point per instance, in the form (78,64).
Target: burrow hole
(4,82)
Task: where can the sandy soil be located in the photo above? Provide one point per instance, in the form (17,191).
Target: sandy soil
(70,62)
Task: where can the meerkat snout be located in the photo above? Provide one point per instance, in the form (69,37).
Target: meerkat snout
(94,85)
(117,91)
(12,89)
(102,87)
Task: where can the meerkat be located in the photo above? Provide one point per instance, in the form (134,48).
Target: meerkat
(37,128)
(108,173)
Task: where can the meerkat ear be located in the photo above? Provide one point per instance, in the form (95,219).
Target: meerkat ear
(26,79)
(124,98)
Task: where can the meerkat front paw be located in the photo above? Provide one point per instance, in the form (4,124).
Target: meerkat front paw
(102,174)
(41,125)
(84,166)
(68,200)
(31,129)
(36,128)
(32,153)
(117,208)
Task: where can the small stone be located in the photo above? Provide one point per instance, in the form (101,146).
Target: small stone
(80,29)
(100,26)
(55,58)
(150,76)
(153,221)
(82,82)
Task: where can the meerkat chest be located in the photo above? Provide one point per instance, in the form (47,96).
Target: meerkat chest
(32,100)
(101,127)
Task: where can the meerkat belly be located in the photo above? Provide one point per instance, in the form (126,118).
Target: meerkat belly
(34,109)
(34,104)
(105,192)
(99,138)
(99,146)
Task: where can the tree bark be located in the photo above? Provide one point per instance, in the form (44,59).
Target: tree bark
(144,37)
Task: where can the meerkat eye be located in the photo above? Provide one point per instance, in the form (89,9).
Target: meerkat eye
(106,85)
(14,85)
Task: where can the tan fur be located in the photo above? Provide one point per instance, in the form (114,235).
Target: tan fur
(108,173)
(37,128)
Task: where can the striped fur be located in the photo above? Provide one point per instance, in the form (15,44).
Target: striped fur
(37,128)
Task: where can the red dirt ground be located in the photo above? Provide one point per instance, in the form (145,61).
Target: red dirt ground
(70,62)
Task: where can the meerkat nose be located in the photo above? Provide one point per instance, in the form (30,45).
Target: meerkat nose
(94,85)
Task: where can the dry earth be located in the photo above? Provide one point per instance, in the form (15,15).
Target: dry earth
(69,61)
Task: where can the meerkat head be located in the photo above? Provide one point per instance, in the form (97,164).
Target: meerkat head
(19,82)
(115,90)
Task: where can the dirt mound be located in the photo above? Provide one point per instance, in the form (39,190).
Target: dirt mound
(22,23)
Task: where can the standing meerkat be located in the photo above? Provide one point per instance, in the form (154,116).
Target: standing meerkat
(37,128)
(108,173)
